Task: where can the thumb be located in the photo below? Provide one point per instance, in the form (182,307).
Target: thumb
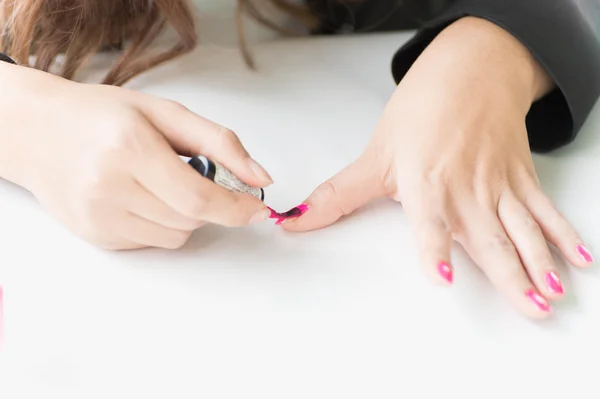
(353,187)
(190,134)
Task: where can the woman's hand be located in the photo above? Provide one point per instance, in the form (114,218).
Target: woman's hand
(452,147)
(105,161)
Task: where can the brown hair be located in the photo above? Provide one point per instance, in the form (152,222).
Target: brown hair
(78,29)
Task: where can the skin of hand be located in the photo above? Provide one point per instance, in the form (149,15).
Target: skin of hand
(105,161)
(452,148)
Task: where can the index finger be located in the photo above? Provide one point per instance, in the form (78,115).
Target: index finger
(191,134)
(180,187)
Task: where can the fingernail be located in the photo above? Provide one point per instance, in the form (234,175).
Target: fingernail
(274,215)
(291,215)
(302,208)
(445,271)
(585,254)
(259,171)
(554,283)
(260,216)
(539,300)
(297,211)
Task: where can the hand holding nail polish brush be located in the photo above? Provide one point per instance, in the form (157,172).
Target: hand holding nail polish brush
(220,175)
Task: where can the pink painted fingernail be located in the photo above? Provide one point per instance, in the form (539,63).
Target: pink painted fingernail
(539,300)
(554,283)
(276,215)
(290,215)
(302,208)
(585,254)
(445,271)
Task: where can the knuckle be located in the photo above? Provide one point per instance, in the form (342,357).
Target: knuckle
(228,137)
(327,189)
(329,193)
(227,134)
(128,135)
(501,242)
(438,224)
(529,222)
(433,177)
(176,106)
(124,136)
(456,224)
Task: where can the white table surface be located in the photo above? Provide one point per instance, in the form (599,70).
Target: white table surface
(344,312)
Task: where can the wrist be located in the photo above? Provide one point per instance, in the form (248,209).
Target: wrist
(510,53)
(18,105)
(488,53)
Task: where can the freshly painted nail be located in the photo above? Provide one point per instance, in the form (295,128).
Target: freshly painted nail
(303,208)
(275,215)
(585,254)
(294,214)
(290,215)
(554,283)
(445,271)
(260,172)
(539,300)
(260,216)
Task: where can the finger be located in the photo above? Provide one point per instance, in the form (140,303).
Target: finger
(434,242)
(146,233)
(557,229)
(531,246)
(190,134)
(341,195)
(179,186)
(142,203)
(492,250)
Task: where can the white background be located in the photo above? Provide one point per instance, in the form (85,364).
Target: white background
(343,312)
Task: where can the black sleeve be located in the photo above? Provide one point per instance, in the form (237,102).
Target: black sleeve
(559,37)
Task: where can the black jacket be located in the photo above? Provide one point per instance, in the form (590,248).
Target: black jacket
(555,31)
